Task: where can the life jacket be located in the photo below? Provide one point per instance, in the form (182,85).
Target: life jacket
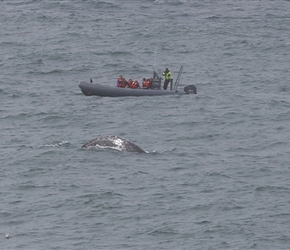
(121,83)
(167,75)
(130,82)
(134,85)
(146,84)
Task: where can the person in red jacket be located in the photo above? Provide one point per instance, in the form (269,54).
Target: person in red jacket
(135,84)
(146,84)
(130,81)
(121,82)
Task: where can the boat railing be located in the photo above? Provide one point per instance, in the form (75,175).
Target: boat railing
(178,78)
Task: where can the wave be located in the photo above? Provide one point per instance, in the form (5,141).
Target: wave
(54,144)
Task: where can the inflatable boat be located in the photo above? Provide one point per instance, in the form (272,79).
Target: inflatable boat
(94,89)
(90,89)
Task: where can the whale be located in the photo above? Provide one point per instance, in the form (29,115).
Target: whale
(114,142)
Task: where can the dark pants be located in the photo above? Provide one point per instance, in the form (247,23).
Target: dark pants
(166,82)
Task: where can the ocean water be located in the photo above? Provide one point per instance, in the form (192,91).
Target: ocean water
(217,175)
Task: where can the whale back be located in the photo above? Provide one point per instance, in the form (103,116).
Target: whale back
(114,142)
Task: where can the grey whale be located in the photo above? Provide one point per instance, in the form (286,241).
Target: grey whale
(114,142)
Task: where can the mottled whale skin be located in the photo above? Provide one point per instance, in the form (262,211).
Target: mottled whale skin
(114,142)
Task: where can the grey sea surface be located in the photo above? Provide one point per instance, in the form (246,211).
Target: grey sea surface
(217,175)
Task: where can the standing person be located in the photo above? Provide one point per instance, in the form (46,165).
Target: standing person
(167,75)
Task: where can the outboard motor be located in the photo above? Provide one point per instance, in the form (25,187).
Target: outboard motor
(156,84)
(190,89)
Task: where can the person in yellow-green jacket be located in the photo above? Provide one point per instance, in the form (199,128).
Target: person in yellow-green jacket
(167,75)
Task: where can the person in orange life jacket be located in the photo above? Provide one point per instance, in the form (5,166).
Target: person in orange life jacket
(135,84)
(144,79)
(146,84)
(130,81)
(167,75)
(121,82)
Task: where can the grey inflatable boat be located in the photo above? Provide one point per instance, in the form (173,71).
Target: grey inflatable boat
(93,89)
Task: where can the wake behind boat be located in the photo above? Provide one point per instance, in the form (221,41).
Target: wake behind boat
(91,89)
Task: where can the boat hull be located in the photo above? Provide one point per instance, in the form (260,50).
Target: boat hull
(92,89)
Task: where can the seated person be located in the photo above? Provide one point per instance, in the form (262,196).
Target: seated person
(146,84)
(135,84)
(130,81)
(121,82)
